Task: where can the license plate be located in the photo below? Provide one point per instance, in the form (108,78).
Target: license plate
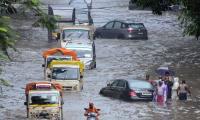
(140,33)
(146,93)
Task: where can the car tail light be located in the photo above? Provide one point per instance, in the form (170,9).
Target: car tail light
(132,93)
(130,30)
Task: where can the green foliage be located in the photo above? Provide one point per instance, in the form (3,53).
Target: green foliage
(5,83)
(44,20)
(7,34)
(189,17)
(6,7)
(157,6)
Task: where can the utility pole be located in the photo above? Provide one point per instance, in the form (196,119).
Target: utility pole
(89,7)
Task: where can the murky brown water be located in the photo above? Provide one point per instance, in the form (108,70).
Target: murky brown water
(115,59)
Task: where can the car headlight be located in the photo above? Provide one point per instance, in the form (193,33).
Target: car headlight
(87,64)
(75,87)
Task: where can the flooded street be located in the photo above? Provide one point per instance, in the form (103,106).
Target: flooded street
(115,59)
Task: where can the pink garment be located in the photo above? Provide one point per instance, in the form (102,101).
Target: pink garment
(160,98)
(164,86)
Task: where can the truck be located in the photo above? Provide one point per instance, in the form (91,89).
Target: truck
(75,33)
(44,100)
(65,16)
(68,73)
(57,54)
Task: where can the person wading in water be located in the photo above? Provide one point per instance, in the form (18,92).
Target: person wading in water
(182,91)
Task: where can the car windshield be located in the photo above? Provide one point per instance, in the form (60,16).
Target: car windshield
(44,98)
(65,73)
(64,13)
(140,85)
(83,53)
(136,25)
(49,59)
(75,33)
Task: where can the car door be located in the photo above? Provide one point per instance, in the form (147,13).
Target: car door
(113,88)
(119,90)
(117,30)
(107,30)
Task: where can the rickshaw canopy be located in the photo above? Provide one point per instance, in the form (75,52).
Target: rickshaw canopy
(63,51)
(43,84)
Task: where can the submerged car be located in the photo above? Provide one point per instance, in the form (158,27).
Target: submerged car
(128,89)
(122,30)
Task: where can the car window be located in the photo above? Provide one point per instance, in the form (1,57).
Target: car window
(109,25)
(75,33)
(140,85)
(121,83)
(123,25)
(117,25)
(114,83)
(136,25)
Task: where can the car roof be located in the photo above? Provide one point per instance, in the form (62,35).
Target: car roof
(126,21)
(61,7)
(136,81)
(79,45)
(84,27)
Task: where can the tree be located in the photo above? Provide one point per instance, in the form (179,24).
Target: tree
(7,35)
(189,16)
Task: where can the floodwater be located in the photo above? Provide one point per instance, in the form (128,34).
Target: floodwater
(115,59)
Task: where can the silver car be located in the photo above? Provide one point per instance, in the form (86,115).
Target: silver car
(122,30)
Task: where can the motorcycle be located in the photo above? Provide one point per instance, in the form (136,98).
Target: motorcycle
(91,115)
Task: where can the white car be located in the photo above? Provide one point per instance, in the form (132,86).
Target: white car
(85,52)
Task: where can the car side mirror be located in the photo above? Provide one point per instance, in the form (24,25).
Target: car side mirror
(64,40)
(85,109)
(43,65)
(25,103)
(49,76)
(81,76)
(94,37)
(108,84)
(58,36)
(98,109)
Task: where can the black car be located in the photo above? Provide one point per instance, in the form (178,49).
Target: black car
(122,30)
(129,90)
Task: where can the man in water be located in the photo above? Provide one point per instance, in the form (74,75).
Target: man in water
(182,91)
(92,109)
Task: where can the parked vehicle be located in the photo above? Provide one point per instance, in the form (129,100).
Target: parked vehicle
(122,30)
(68,73)
(57,54)
(133,5)
(44,100)
(129,89)
(66,16)
(76,33)
(85,52)
(84,17)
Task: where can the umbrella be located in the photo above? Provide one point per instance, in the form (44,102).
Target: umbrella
(163,70)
